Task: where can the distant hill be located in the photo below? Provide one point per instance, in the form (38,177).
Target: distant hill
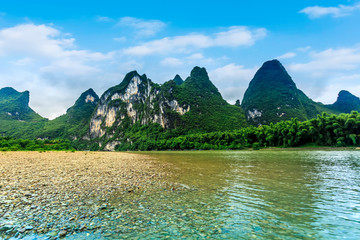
(17,119)
(75,122)
(138,111)
(178,80)
(14,105)
(272,96)
(346,102)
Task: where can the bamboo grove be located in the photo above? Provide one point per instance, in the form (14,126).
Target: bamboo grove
(14,144)
(325,130)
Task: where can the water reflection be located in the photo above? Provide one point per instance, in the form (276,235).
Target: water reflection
(277,194)
(242,195)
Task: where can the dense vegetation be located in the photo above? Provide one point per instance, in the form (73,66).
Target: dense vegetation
(192,114)
(209,111)
(272,96)
(18,120)
(14,105)
(325,130)
(346,102)
(13,144)
(205,108)
(75,122)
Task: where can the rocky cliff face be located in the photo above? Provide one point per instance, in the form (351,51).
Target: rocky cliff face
(136,99)
(193,105)
(83,108)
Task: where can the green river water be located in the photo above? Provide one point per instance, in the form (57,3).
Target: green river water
(243,195)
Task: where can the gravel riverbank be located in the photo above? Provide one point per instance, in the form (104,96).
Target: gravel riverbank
(60,193)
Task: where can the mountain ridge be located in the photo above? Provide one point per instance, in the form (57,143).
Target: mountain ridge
(137,101)
(137,109)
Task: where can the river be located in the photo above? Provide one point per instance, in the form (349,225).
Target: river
(266,194)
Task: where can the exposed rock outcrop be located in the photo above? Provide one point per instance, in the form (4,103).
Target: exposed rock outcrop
(136,99)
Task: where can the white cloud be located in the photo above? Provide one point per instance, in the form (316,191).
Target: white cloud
(171,62)
(336,84)
(233,37)
(287,55)
(232,80)
(331,60)
(336,12)
(40,40)
(46,61)
(327,72)
(238,36)
(142,27)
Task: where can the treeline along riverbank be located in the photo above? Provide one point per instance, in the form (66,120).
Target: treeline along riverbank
(325,130)
(14,144)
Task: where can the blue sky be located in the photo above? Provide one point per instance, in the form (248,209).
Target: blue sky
(58,49)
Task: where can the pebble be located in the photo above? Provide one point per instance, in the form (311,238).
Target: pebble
(6,228)
(66,195)
(52,234)
(62,233)
(103,207)
(25,200)
(83,227)
(29,227)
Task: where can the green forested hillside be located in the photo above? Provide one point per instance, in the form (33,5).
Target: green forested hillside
(175,107)
(272,96)
(14,105)
(190,114)
(75,123)
(17,119)
(346,102)
(209,111)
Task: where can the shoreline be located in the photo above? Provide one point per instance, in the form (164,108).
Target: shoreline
(311,148)
(306,148)
(50,192)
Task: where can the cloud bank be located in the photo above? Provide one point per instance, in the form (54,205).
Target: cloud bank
(47,62)
(233,37)
(336,12)
(327,72)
